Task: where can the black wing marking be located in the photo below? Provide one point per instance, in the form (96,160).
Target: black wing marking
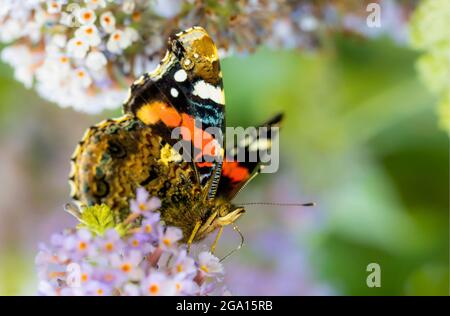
(236,174)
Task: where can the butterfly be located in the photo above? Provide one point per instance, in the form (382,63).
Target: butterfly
(185,92)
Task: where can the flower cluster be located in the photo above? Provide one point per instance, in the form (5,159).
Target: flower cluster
(71,50)
(429,28)
(85,53)
(105,258)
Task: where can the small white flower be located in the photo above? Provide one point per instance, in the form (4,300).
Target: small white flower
(77,47)
(24,75)
(54,7)
(95,4)
(41,16)
(108,22)
(89,33)
(96,288)
(143,203)
(47,289)
(83,77)
(63,63)
(66,19)
(86,273)
(55,44)
(209,264)
(22,59)
(10,30)
(33,31)
(132,34)
(96,61)
(14,54)
(128,264)
(170,237)
(157,284)
(131,289)
(186,287)
(59,40)
(167,8)
(117,42)
(55,69)
(128,6)
(183,266)
(86,16)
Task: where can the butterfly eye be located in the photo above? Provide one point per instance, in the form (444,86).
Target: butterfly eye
(223,211)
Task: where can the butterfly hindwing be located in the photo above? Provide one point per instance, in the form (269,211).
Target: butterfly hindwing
(236,173)
(117,156)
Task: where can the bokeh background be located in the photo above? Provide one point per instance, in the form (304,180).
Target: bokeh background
(360,139)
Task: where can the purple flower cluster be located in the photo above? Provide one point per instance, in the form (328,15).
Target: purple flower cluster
(146,260)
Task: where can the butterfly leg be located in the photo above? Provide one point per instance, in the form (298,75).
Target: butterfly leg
(191,238)
(219,233)
(169,260)
(236,229)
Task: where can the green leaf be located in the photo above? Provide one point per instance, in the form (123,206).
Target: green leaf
(97,219)
(122,229)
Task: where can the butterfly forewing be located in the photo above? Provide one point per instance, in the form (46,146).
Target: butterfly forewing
(186,92)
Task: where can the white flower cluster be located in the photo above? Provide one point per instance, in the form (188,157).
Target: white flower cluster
(85,53)
(73,50)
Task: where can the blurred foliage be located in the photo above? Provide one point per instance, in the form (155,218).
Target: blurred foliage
(430,32)
(360,134)
(15,272)
(359,138)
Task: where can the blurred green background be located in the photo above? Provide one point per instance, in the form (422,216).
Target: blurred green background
(360,138)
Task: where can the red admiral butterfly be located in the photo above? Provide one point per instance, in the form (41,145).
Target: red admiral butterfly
(185,92)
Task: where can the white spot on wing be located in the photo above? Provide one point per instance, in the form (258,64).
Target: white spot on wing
(174,92)
(246,141)
(261,144)
(233,151)
(180,75)
(207,91)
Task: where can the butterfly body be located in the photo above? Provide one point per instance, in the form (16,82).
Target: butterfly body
(117,156)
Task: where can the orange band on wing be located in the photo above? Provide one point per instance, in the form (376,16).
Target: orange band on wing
(170,116)
(205,164)
(236,173)
(148,113)
(155,111)
(199,138)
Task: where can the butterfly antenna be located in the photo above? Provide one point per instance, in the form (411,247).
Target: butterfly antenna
(238,247)
(279,204)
